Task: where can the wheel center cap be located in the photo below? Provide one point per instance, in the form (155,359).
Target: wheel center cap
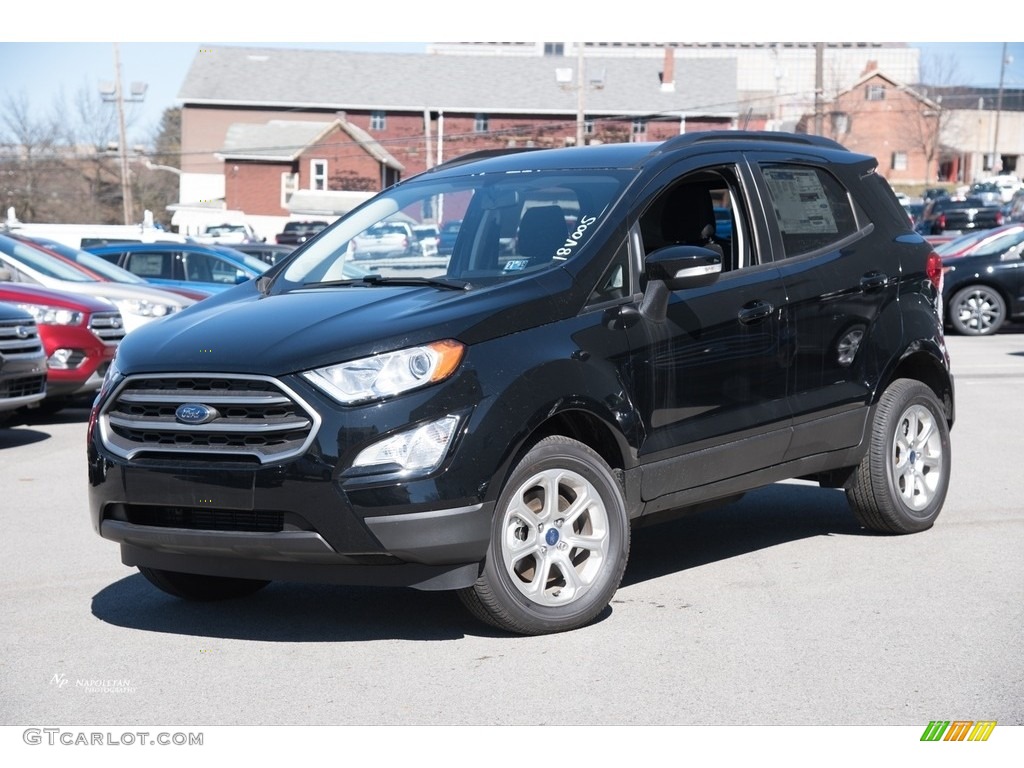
(913,457)
(551,536)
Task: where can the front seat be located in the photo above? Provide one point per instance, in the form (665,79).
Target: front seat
(542,232)
(688,218)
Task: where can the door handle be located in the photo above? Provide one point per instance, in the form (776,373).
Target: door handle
(755,311)
(874,281)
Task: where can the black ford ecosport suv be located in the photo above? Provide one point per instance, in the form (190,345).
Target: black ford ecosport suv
(594,353)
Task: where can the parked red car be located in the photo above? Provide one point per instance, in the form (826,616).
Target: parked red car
(79,334)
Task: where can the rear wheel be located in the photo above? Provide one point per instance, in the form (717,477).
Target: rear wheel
(559,542)
(977,310)
(192,586)
(901,483)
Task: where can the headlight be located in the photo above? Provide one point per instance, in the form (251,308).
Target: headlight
(45,315)
(381,376)
(419,449)
(144,307)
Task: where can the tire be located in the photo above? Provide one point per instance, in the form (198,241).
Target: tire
(977,310)
(901,483)
(191,586)
(559,542)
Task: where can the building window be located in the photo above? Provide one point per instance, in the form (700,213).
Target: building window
(480,124)
(378,121)
(899,161)
(554,49)
(318,175)
(639,128)
(289,183)
(840,123)
(875,93)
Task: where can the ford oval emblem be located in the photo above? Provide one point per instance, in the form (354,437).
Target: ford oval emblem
(195,413)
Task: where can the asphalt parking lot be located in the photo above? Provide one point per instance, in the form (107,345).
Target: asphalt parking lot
(776,610)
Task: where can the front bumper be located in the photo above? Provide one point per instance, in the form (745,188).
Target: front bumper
(304,516)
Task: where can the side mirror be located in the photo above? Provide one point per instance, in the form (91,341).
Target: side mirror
(683,266)
(676,268)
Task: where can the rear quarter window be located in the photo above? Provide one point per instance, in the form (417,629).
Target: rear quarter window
(812,209)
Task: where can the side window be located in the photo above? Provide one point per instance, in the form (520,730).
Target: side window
(812,209)
(701,209)
(615,282)
(200,267)
(146,264)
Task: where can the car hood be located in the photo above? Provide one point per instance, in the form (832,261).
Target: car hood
(122,291)
(243,331)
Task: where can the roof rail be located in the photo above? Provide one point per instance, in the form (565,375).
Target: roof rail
(701,137)
(482,154)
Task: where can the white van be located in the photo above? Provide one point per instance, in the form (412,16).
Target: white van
(87,235)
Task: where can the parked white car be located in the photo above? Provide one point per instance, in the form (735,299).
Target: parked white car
(1008,185)
(138,304)
(228,234)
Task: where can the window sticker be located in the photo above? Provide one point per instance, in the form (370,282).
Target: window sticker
(801,205)
(573,239)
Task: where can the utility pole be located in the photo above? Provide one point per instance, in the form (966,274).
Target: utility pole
(997,161)
(819,87)
(116,94)
(122,142)
(564,78)
(580,96)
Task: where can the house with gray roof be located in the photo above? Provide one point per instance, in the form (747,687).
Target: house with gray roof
(405,113)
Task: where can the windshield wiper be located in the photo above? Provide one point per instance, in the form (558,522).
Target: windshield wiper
(436,282)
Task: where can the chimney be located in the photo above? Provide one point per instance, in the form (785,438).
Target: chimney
(871,66)
(668,75)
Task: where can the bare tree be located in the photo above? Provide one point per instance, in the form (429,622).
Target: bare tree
(28,160)
(928,125)
(159,176)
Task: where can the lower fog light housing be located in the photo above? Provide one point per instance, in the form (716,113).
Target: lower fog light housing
(420,449)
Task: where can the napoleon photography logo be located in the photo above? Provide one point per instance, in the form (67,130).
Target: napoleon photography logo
(958,730)
(94,684)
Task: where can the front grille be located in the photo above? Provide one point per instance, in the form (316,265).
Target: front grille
(248,416)
(195,519)
(108,327)
(19,339)
(23,386)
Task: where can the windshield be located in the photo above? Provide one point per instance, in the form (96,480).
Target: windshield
(92,262)
(511,224)
(255,265)
(44,263)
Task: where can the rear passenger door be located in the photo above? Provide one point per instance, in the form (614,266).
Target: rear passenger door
(841,287)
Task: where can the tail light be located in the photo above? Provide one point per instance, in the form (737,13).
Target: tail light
(933,269)
(999,218)
(941,221)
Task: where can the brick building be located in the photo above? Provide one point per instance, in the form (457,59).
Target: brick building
(881,117)
(376,118)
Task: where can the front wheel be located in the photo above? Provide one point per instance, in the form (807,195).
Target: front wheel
(977,310)
(559,542)
(901,483)
(192,586)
